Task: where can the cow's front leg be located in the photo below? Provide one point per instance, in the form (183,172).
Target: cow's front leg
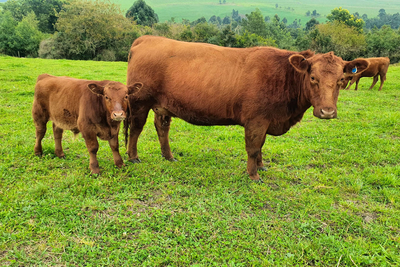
(255,137)
(137,122)
(115,150)
(260,165)
(93,146)
(162,124)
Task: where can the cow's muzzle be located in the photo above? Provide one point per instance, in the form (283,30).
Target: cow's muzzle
(118,116)
(326,113)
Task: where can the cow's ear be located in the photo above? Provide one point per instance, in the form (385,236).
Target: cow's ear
(356,66)
(96,89)
(299,62)
(134,88)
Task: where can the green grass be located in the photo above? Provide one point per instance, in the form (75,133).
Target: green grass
(290,9)
(331,193)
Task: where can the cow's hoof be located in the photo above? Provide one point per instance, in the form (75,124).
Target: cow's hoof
(172,159)
(262,168)
(135,160)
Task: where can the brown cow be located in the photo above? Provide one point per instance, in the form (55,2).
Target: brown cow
(377,66)
(94,108)
(265,89)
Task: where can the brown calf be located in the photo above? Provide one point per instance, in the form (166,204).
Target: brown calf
(94,108)
(266,90)
(377,66)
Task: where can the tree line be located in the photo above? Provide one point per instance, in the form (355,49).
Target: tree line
(98,30)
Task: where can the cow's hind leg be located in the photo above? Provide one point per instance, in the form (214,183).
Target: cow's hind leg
(40,118)
(255,137)
(162,124)
(58,133)
(374,81)
(137,122)
(114,145)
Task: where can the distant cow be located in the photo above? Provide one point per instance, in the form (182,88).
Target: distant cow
(265,89)
(377,66)
(94,108)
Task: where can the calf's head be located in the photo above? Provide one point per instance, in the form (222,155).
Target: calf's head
(324,76)
(115,95)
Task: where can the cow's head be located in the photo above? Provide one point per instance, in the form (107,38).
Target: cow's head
(115,96)
(325,75)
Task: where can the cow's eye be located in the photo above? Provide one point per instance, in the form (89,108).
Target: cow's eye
(126,97)
(106,97)
(312,78)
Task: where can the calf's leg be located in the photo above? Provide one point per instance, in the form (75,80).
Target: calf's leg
(383,78)
(58,133)
(374,82)
(40,119)
(162,125)
(113,142)
(93,146)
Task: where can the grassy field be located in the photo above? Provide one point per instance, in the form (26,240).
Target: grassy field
(290,9)
(330,197)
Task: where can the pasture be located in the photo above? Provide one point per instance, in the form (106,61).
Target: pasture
(290,9)
(330,197)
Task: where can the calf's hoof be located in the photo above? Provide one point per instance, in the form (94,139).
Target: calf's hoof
(135,160)
(172,159)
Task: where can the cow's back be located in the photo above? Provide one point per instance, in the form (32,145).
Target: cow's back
(378,65)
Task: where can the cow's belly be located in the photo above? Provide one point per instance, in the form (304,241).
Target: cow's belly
(194,117)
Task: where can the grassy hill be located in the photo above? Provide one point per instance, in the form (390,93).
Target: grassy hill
(290,9)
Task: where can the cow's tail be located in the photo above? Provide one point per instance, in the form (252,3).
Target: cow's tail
(127,123)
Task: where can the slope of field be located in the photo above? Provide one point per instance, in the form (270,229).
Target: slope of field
(290,9)
(330,197)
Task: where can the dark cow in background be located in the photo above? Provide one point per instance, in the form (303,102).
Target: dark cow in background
(94,108)
(266,90)
(378,66)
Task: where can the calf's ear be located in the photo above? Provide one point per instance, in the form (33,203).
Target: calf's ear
(134,88)
(299,63)
(355,67)
(96,89)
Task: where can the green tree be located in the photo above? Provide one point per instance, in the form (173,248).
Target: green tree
(251,39)
(142,13)
(27,36)
(344,16)
(383,42)
(89,29)
(311,23)
(336,36)
(19,38)
(7,33)
(45,11)
(254,23)
(204,32)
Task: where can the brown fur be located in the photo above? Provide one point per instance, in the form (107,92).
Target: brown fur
(266,90)
(94,108)
(378,66)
